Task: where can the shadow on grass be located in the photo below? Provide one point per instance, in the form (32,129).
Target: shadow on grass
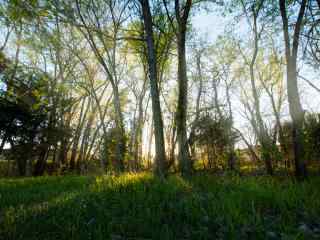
(110,207)
(143,207)
(29,191)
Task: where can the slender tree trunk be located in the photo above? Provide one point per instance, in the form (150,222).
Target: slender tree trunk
(22,158)
(160,157)
(253,154)
(138,137)
(232,158)
(181,115)
(149,145)
(112,77)
(131,145)
(295,107)
(81,151)
(21,162)
(63,152)
(74,148)
(297,115)
(264,139)
(41,162)
(54,156)
(4,139)
(85,141)
(120,133)
(185,162)
(94,138)
(172,143)
(193,127)
(276,113)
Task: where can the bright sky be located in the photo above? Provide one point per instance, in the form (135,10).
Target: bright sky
(209,24)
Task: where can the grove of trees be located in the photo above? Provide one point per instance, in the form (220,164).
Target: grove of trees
(133,85)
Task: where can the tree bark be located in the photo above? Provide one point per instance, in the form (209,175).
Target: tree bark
(264,139)
(295,107)
(74,148)
(160,157)
(232,158)
(120,134)
(138,137)
(193,127)
(40,165)
(185,162)
(3,142)
(279,129)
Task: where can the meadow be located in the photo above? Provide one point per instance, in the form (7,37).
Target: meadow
(141,206)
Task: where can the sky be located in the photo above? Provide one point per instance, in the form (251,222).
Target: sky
(209,24)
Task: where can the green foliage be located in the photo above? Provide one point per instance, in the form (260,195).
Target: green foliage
(213,130)
(216,135)
(312,136)
(108,149)
(26,112)
(140,206)
(23,102)
(28,10)
(163,40)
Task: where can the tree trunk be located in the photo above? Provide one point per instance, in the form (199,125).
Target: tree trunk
(42,159)
(4,139)
(74,148)
(89,153)
(183,155)
(160,157)
(149,146)
(232,157)
(138,137)
(120,133)
(172,140)
(297,115)
(295,107)
(22,159)
(193,127)
(276,111)
(112,77)
(185,162)
(264,139)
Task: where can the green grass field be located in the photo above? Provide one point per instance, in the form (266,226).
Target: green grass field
(143,207)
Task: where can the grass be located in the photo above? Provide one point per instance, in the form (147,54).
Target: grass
(140,206)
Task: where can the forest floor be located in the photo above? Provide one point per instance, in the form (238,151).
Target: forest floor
(140,206)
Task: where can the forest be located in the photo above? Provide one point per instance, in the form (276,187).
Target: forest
(159,119)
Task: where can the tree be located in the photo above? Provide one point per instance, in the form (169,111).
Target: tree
(160,157)
(253,12)
(199,78)
(224,56)
(295,107)
(91,19)
(25,120)
(179,23)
